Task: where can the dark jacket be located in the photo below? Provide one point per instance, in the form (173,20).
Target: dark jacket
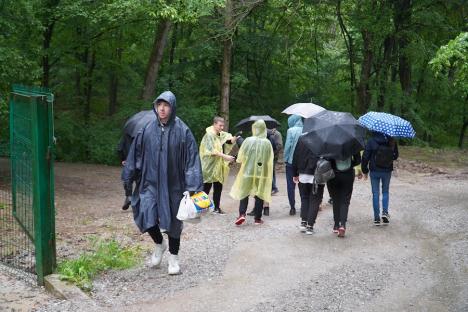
(304,161)
(368,158)
(163,161)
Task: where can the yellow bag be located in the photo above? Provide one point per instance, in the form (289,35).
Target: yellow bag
(202,202)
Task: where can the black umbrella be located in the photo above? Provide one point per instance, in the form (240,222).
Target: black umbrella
(138,121)
(246,123)
(334,135)
(130,130)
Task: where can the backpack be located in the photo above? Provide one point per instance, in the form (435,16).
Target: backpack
(384,156)
(323,171)
(343,165)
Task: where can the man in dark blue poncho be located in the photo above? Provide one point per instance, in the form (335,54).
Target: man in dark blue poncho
(163,161)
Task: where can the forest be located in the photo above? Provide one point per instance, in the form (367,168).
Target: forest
(105,60)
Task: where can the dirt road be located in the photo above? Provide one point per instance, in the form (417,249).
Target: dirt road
(417,263)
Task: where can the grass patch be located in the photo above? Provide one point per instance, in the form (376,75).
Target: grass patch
(447,157)
(108,255)
(3,206)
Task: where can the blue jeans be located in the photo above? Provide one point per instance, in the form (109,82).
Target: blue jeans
(291,185)
(376,177)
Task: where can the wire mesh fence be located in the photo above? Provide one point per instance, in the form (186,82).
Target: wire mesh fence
(16,247)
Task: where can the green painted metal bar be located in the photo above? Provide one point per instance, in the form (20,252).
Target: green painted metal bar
(44,211)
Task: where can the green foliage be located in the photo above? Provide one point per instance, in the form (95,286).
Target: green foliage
(283,52)
(108,255)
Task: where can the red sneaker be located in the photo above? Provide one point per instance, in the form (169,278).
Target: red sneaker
(341,231)
(258,221)
(240,219)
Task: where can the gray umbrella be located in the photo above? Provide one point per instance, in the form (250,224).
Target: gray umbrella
(305,110)
(246,123)
(334,135)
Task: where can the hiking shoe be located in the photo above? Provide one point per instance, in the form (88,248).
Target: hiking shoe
(173,268)
(292,212)
(273,192)
(341,231)
(309,230)
(157,255)
(251,213)
(335,229)
(219,211)
(258,222)
(385,219)
(266,211)
(303,226)
(240,219)
(377,222)
(127,202)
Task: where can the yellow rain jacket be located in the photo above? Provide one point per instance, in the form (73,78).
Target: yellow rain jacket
(256,172)
(215,168)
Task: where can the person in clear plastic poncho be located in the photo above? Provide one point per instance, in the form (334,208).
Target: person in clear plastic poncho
(256,172)
(214,149)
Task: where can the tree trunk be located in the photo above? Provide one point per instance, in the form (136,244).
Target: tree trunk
(389,44)
(155,60)
(48,25)
(89,86)
(363,94)
(464,126)
(114,78)
(226,66)
(171,55)
(348,39)
(402,22)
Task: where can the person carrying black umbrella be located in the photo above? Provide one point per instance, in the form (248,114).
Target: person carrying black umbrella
(163,161)
(304,165)
(341,190)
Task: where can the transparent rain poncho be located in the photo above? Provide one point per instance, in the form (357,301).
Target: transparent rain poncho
(215,168)
(256,172)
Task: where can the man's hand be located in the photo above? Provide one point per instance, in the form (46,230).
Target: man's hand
(296,180)
(233,139)
(228,158)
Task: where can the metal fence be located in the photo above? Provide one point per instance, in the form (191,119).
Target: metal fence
(27,217)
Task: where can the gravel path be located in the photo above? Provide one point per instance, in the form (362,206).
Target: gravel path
(417,263)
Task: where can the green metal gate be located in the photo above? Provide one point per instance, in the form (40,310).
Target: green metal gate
(27,214)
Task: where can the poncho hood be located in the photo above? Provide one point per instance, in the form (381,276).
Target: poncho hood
(259,129)
(169,97)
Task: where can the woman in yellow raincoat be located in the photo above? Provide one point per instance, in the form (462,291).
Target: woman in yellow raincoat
(214,149)
(256,172)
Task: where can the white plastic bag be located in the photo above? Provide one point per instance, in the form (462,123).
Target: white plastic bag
(187,210)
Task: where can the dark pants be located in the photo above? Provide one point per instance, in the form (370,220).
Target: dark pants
(217,189)
(156,235)
(273,186)
(291,185)
(341,189)
(258,207)
(310,202)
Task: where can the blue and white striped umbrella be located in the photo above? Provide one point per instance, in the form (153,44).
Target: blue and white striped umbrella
(388,124)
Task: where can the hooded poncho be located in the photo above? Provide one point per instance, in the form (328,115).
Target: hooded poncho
(215,168)
(163,161)
(256,172)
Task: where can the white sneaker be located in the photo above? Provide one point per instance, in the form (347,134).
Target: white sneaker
(174,267)
(157,255)
(303,226)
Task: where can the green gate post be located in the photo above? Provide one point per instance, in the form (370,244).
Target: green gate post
(43,203)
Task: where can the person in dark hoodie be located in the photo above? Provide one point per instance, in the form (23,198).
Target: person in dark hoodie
(164,162)
(378,157)
(304,164)
(341,190)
